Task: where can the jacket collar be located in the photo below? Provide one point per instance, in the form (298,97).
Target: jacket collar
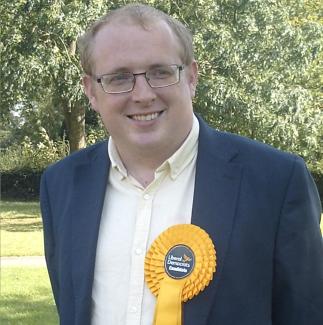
(217,184)
(216,191)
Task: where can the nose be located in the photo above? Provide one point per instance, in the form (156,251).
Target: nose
(142,92)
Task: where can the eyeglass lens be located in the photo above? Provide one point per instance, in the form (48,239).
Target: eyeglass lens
(157,77)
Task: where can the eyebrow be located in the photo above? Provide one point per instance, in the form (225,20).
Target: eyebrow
(127,70)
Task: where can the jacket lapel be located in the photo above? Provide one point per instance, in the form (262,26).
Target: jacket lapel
(217,184)
(216,191)
(90,181)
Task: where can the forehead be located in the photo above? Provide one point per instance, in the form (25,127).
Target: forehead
(129,45)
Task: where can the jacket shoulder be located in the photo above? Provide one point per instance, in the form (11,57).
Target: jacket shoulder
(243,149)
(78,158)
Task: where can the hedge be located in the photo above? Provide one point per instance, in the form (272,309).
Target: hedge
(20,184)
(24,184)
(318,178)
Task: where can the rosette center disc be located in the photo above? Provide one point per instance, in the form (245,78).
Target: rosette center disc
(183,252)
(179,262)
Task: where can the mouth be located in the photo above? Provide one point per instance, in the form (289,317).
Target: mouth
(145,117)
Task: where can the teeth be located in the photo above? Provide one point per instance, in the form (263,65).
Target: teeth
(147,117)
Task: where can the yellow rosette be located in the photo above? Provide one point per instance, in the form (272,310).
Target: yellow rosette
(179,264)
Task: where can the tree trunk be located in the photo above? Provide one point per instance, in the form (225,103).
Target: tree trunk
(75,126)
(75,117)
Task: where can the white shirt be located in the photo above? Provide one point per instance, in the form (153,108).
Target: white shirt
(132,218)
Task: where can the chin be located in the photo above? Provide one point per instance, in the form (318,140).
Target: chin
(141,140)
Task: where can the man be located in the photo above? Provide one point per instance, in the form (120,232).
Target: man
(103,206)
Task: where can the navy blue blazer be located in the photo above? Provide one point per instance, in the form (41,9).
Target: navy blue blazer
(259,205)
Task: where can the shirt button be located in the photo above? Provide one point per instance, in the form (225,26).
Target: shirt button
(146,196)
(138,251)
(133,309)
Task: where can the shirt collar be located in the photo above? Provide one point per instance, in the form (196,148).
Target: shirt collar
(116,162)
(184,154)
(175,163)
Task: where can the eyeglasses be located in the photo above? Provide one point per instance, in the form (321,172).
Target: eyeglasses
(124,82)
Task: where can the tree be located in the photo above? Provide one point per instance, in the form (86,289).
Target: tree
(258,64)
(38,58)
(259,70)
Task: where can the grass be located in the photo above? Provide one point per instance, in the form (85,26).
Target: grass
(26,297)
(21,229)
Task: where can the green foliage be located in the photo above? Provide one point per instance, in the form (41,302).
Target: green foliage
(39,63)
(95,130)
(21,165)
(37,121)
(256,65)
(95,135)
(29,156)
(22,184)
(258,59)
(41,50)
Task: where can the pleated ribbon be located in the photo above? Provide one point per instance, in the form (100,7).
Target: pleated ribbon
(172,290)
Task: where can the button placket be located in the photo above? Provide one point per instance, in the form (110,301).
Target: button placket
(141,235)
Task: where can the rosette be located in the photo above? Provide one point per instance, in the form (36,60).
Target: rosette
(179,264)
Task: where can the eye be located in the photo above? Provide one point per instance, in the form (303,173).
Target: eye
(161,72)
(118,78)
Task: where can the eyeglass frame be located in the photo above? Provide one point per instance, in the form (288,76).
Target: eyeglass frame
(178,71)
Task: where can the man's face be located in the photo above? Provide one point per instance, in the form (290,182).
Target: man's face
(145,118)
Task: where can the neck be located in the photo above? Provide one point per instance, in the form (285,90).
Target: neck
(142,164)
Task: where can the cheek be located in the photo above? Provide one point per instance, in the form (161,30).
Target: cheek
(105,104)
(185,95)
(95,100)
(190,86)
(111,110)
(108,121)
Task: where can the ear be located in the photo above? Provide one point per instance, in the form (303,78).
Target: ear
(193,77)
(89,90)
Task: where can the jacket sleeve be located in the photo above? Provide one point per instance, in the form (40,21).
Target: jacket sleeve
(298,265)
(49,239)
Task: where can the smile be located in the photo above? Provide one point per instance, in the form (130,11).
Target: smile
(145,117)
